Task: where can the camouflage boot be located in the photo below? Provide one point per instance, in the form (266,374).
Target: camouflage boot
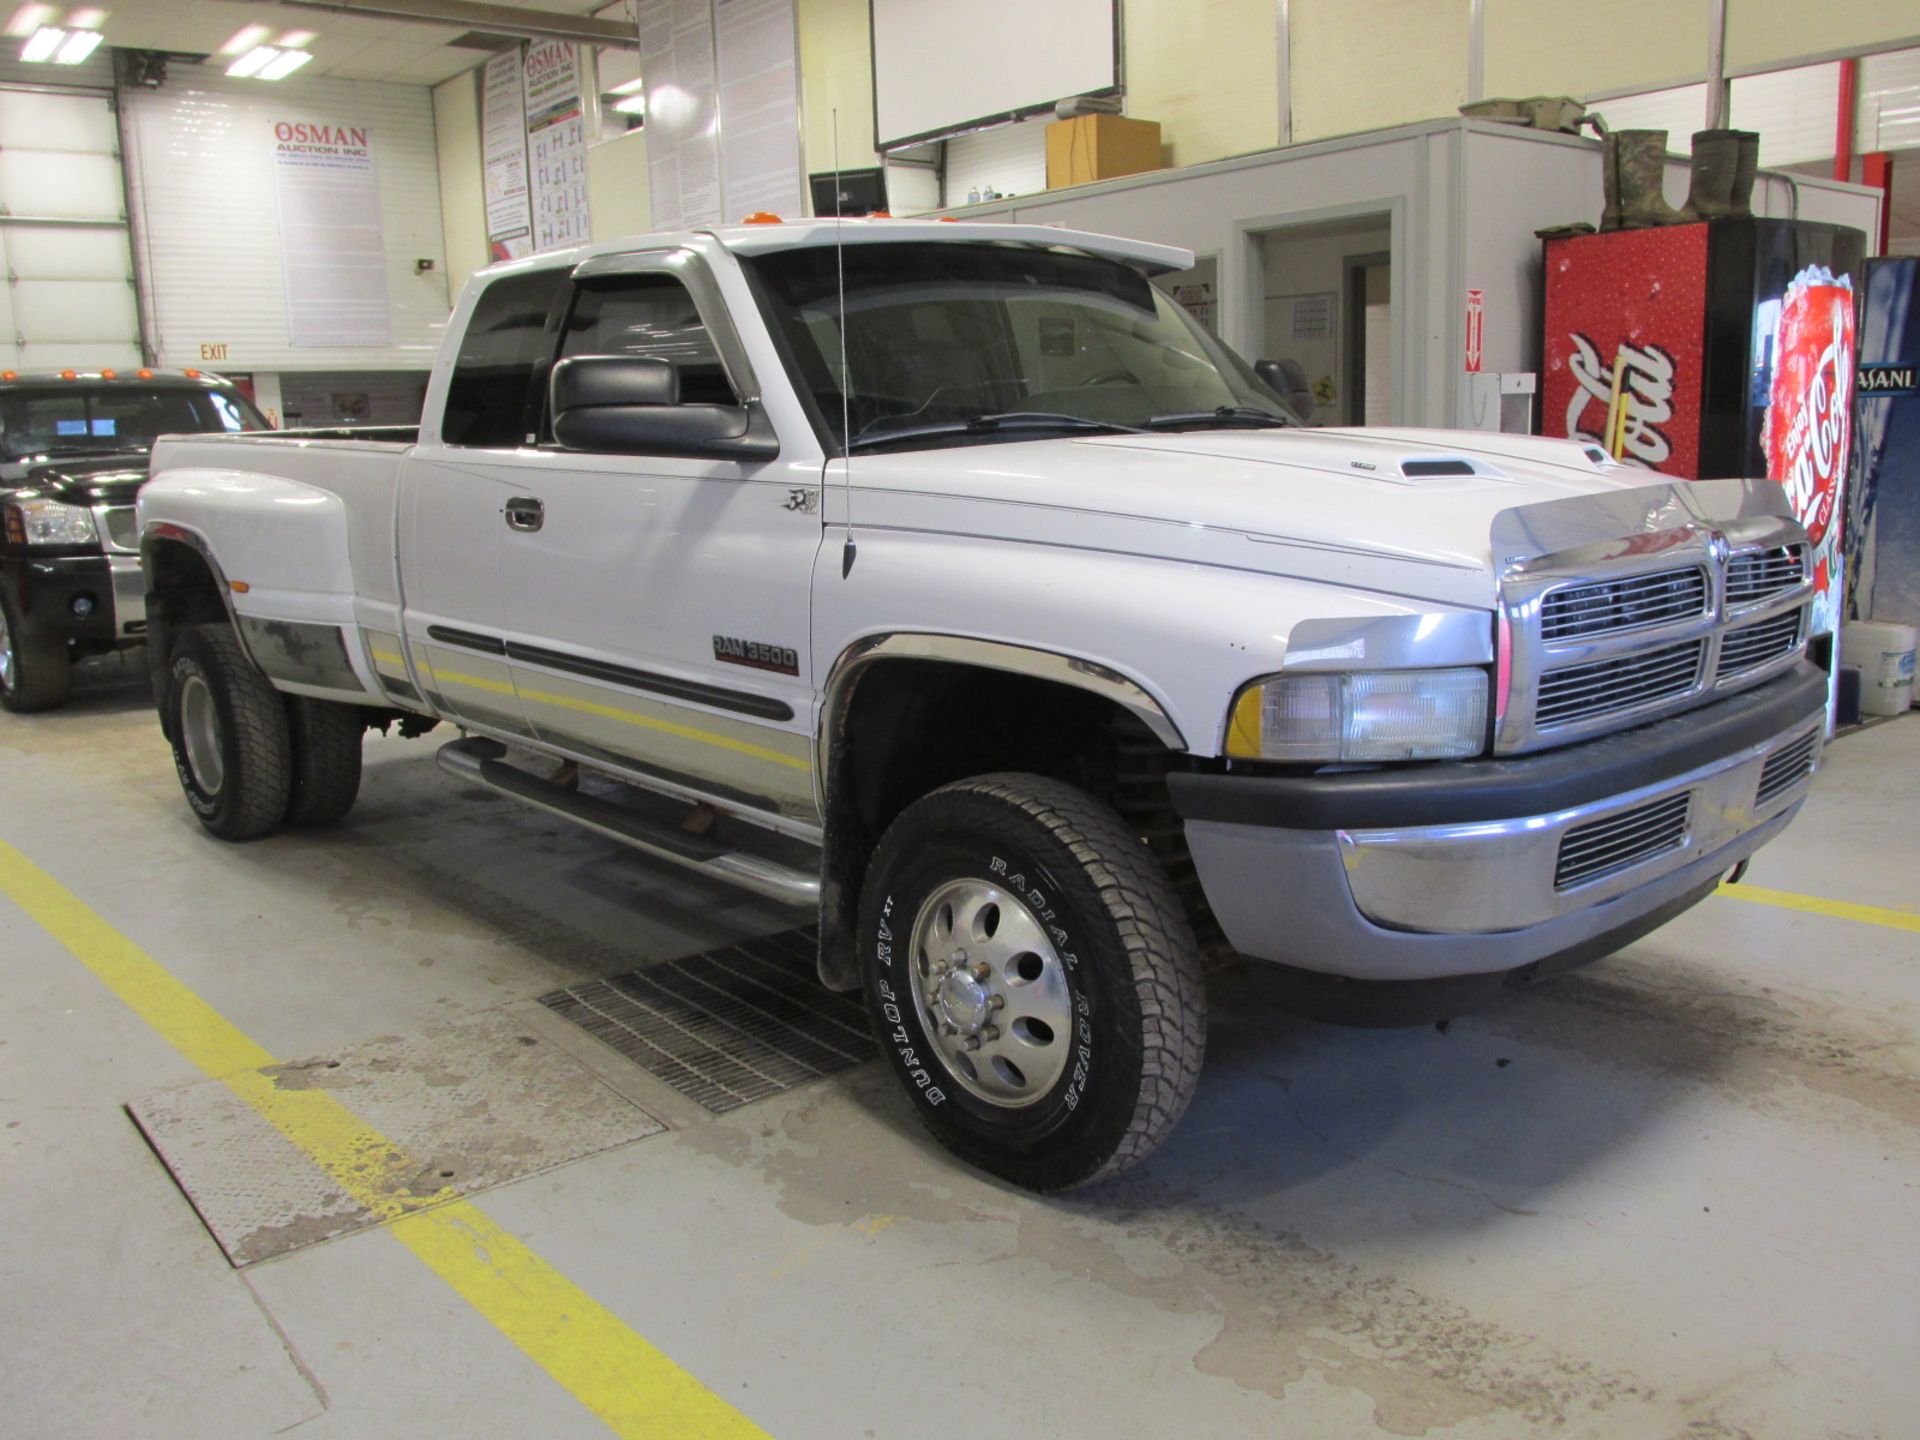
(1643,166)
(1716,192)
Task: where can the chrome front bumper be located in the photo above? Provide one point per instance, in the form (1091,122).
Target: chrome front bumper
(1508,874)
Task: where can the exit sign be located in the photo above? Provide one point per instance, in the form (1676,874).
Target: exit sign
(213,352)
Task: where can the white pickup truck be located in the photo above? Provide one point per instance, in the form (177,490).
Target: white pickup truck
(951,579)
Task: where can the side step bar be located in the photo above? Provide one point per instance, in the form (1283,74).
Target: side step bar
(482,760)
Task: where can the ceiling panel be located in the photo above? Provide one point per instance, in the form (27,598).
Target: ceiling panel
(350,47)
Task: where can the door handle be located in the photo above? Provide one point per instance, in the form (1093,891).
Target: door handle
(523,512)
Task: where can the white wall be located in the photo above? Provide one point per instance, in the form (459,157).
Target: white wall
(200,163)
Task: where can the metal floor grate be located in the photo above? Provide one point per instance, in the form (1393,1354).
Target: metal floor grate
(727,1027)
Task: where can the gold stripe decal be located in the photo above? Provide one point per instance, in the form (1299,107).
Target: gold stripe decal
(1881,915)
(609,1368)
(455,680)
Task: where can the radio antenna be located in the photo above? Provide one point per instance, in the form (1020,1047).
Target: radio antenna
(848,550)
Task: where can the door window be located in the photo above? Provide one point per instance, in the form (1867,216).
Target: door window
(650,315)
(503,346)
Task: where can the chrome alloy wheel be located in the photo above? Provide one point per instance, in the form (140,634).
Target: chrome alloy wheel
(6,652)
(991,993)
(200,729)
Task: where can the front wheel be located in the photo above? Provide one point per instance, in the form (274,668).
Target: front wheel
(229,731)
(35,671)
(1034,982)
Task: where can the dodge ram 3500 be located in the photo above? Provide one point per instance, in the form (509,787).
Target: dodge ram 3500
(951,580)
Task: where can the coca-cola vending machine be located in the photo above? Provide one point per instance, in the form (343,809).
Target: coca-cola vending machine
(1736,345)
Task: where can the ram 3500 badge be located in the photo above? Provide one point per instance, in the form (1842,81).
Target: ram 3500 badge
(1095,658)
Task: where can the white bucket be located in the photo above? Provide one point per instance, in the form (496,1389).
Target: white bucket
(1883,654)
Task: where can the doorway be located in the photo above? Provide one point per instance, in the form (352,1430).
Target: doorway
(1328,306)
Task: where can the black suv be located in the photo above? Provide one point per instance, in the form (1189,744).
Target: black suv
(73,453)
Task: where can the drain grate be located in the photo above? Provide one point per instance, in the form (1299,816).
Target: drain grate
(726,1027)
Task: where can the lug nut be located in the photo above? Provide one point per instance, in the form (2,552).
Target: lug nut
(972,1042)
(996,1002)
(991,1033)
(949,1028)
(982,971)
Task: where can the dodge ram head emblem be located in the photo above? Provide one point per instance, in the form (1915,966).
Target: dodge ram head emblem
(804,500)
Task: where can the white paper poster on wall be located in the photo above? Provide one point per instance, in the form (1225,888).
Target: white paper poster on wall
(504,138)
(683,113)
(333,256)
(759,100)
(556,145)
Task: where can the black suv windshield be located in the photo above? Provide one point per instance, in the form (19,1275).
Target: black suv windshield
(961,343)
(70,417)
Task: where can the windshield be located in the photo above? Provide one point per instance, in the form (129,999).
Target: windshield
(69,419)
(954,344)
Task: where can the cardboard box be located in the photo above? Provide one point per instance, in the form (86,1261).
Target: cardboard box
(1100,147)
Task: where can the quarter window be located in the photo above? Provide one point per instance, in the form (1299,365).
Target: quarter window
(503,345)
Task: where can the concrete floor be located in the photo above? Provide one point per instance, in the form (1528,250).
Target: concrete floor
(1671,1195)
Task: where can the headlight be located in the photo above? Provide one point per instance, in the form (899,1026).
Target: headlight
(48,522)
(1361,715)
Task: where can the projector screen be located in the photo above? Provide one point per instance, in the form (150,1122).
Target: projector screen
(940,66)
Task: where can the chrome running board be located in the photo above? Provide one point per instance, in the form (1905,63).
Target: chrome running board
(483,761)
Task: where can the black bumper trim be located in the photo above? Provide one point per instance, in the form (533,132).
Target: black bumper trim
(41,590)
(1467,791)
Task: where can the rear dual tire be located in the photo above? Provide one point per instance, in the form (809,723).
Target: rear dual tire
(250,759)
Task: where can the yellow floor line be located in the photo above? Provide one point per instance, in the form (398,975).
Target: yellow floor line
(1882,915)
(607,1367)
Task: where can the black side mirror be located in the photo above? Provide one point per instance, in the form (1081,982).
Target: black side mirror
(630,405)
(1287,380)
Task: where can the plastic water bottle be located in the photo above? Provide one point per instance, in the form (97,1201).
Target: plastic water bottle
(973,196)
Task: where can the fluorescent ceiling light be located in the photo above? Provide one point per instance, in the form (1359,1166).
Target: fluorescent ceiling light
(29,18)
(296,39)
(631,87)
(253,62)
(244,39)
(92,18)
(80,44)
(288,62)
(632,105)
(42,43)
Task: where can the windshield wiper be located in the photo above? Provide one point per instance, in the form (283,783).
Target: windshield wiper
(1220,415)
(993,425)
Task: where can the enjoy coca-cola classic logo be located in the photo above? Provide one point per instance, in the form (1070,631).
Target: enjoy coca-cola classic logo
(1647,382)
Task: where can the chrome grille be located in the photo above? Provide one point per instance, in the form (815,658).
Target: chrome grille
(1583,692)
(1752,646)
(1758,574)
(1606,847)
(1612,607)
(122,533)
(1786,768)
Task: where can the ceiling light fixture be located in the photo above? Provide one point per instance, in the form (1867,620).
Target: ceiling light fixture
(253,62)
(42,43)
(631,105)
(268,62)
(78,46)
(285,64)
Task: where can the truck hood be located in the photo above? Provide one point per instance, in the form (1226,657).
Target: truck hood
(1406,512)
(102,479)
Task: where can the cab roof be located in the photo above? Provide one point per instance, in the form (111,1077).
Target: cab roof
(112,375)
(763,237)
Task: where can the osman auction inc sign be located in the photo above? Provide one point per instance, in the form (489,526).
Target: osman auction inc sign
(332,242)
(302,137)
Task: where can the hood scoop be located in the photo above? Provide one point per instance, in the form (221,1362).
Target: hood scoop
(1442,467)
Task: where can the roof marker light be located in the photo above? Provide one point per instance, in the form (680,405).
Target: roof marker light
(9,374)
(68,375)
(109,374)
(191,374)
(761,217)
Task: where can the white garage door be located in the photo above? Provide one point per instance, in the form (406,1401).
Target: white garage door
(69,299)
